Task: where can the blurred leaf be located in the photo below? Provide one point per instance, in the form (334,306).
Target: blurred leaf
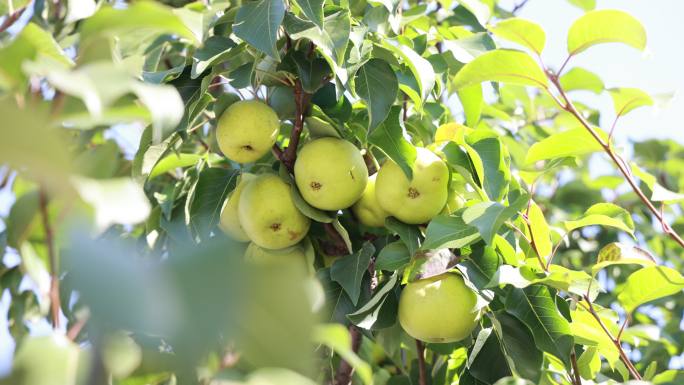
(504,66)
(22,217)
(207,199)
(377,85)
(277,376)
(152,17)
(658,192)
(115,201)
(257,23)
(409,234)
(574,142)
(488,217)
(604,214)
(605,26)
(337,338)
(172,162)
(524,32)
(580,79)
(390,138)
(668,377)
(449,231)
(393,256)
(348,271)
(586,5)
(627,99)
(49,360)
(535,307)
(648,284)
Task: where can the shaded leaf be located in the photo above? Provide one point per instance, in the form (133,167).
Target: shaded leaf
(257,23)
(393,256)
(488,217)
(389,137)
(377,85)
(409,234)
(449,231)
(349,270)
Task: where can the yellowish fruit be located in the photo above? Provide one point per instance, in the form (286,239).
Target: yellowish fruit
(418,200)
(455,200)
(247,130)
(229,221)
(438,309)
(268,214)
(260,255)
(330,173)
(367,209)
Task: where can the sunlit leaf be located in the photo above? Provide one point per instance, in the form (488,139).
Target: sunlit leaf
(603,214)
(504,66)
(648,284)
(524,32)
(574,142)
(580,79)
(627,99)
(605,26)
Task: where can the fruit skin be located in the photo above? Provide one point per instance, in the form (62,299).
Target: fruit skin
(418,200)
(367,209)
(330,173)
(268,214)
(259,255)
(247,130)
(229,221)
(438,309)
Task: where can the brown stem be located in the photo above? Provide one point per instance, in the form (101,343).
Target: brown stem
(55,305)
(339,246)
(422,372)
(619,162)
(345,370)
(9,20)
(576,380)
(370,162)
(519,6)
(623,356)
(73,331)
(301,104)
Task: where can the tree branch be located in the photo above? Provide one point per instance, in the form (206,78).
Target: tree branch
(55,305)
(345,370)
(576,380)
(568,106)
(10,19)
(623,356)
(422,372)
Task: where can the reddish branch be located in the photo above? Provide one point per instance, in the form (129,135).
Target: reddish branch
(576,380)
(10,19)
(55,305)
(422,372)
(620,163)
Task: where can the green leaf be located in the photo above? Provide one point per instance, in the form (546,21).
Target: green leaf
(658,192)
(331,41)
(257,23)
(115,201)
(524,32)
(603,214)
(605,26)
(628,99)
(586,5)
(574,142)
(337,338)
(409,234)
(380,311)
(472,101)
(536,308)
(377,85)
(393,256)
(22,217)
(420,68)
(312,72)
(173,162)
(495,172)
(619,254)
(518,343)
(558,277)
(207,199)
(587,330)
(213,49)
(313,10)
(344,234)
(504,66)
(669,377)
(339,304)
(478,8)
(589,363)
(389,137)
(487,359)
(152,17)
(449,231)
(648,284)
(488,217)
(580,79)
(540,233)
(348,271)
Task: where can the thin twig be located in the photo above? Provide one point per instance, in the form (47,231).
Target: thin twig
(422,372)
(576,380)
(55,305)
(519,6)
(74,330)
(623,356)
(568,106)
(10,19)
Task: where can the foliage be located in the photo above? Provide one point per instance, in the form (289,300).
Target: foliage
(577,274)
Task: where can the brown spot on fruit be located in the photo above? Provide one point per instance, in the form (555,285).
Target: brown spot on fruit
(436,179)
(247,147)
(351,174)
(315,186)
(413,193)
(275,226)
(293,234)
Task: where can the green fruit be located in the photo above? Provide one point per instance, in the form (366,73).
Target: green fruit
(49,360)
(455,201)
(247,130)
(367,209)
(438,309)
(229,221)
(418,200)
(268,214)
(330,173)
(260,255)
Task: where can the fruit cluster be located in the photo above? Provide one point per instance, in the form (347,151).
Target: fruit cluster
(331,174)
